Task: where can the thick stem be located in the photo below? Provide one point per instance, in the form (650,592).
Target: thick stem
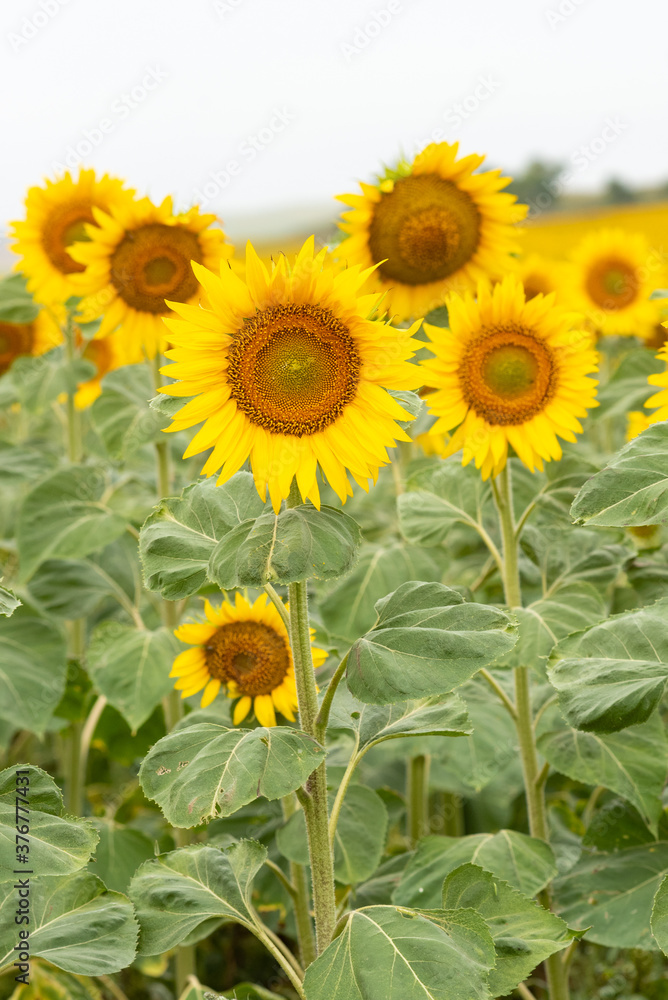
(73,784)
(315,807)
(302,897)
(87,736)
(417,795)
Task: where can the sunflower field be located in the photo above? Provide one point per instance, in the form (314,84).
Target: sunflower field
(333,601)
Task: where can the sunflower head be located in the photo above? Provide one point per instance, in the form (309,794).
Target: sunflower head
(636,423)
(34,338)
(540,275)
(509,372)
(288,369)
(660,398)
(136,257)
(244,649)
(430,227)
(56,218)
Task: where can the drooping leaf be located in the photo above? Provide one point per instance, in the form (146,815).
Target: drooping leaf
(426,641)
(206,770)
(33,667)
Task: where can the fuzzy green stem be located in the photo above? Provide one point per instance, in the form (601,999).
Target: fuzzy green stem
(302,899)
(417,795)
(315,805)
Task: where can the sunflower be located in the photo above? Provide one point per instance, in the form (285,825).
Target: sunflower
(107,354)
(35,337)
(431,227)
(509,372)
(611,279)
(540,275)
(56,216)
(135,258)
(636,423)
(659,399)
(245,649)
(288,369)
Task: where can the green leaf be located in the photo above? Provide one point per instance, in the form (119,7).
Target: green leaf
(16,302)
(75,923)
(59,844)
(526,863)
(19,463)
(659,919)
(72,588)
(612,895)
(359,840)
(122,416)
(348,611)
(119,853)
(49,983)
(206,771)
(633,489)
(39,381)
(298,544)
(184,895)
(524,933)
(131,666)
(628,387)
(444,495)
(613,675)
(176,541)
(33,668)
(426,641)
(9,602)
(248,991)
(63,516)
(443,716)
(632,763)
(390,953)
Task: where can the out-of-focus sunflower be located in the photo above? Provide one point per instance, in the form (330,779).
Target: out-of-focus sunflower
(659,399)
(56,217)
(243,648)
(431,227)
(540,275)
(137,257)
(107,354)
(610,281)
(636,423)
(287,368)
(35,337)
(509,372)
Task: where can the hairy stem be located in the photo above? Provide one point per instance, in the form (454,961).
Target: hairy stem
(302,897)
(417,796)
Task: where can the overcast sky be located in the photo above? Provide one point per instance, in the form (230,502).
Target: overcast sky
(290,102)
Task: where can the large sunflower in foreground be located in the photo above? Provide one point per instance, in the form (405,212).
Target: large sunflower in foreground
(243,648)
(56,217)
(509,372)
(431,227)
(287,368)
(611,280)
(137,257)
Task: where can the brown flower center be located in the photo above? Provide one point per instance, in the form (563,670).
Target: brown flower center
(65,226)
(152,263)
(536,284)
(15,339)
(252,655)
(507,375)
(293,368)
(426,227)
(612,284)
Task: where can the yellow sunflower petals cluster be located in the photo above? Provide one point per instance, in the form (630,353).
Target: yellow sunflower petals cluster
(541,276)
(137,256)
(244,649)
(56,217)
(509,373)
(660,398)
(434,226)
(286,368)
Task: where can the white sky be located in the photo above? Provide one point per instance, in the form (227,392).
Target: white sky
(223,68)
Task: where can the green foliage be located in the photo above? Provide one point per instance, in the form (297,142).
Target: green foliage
(9,602)
(122,416)
(16,302)
(119,853)
(40,381)
(33,667)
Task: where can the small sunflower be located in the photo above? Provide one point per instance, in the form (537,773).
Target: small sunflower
(34,338)
(540,275)
(509,372)
(431,227)
(56,217)
(245,649)
(611,281)
(288,369)
(137,257)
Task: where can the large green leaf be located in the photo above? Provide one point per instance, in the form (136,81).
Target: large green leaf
(122,416)
(205,771)
(185,894)
(64,517)
(348,611)
(612,894)
(526,863)
(633,488)
(73,588)
(75,923)
(9,602)
(632,763)
(427,640)
(612,675)
(176,541)
(131,666)
(524,933)
(33,668)
(297,544)
(119,853)
(58,844)
(391,953)
(439,498)
(372,724)
(659,919)
(39,381)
